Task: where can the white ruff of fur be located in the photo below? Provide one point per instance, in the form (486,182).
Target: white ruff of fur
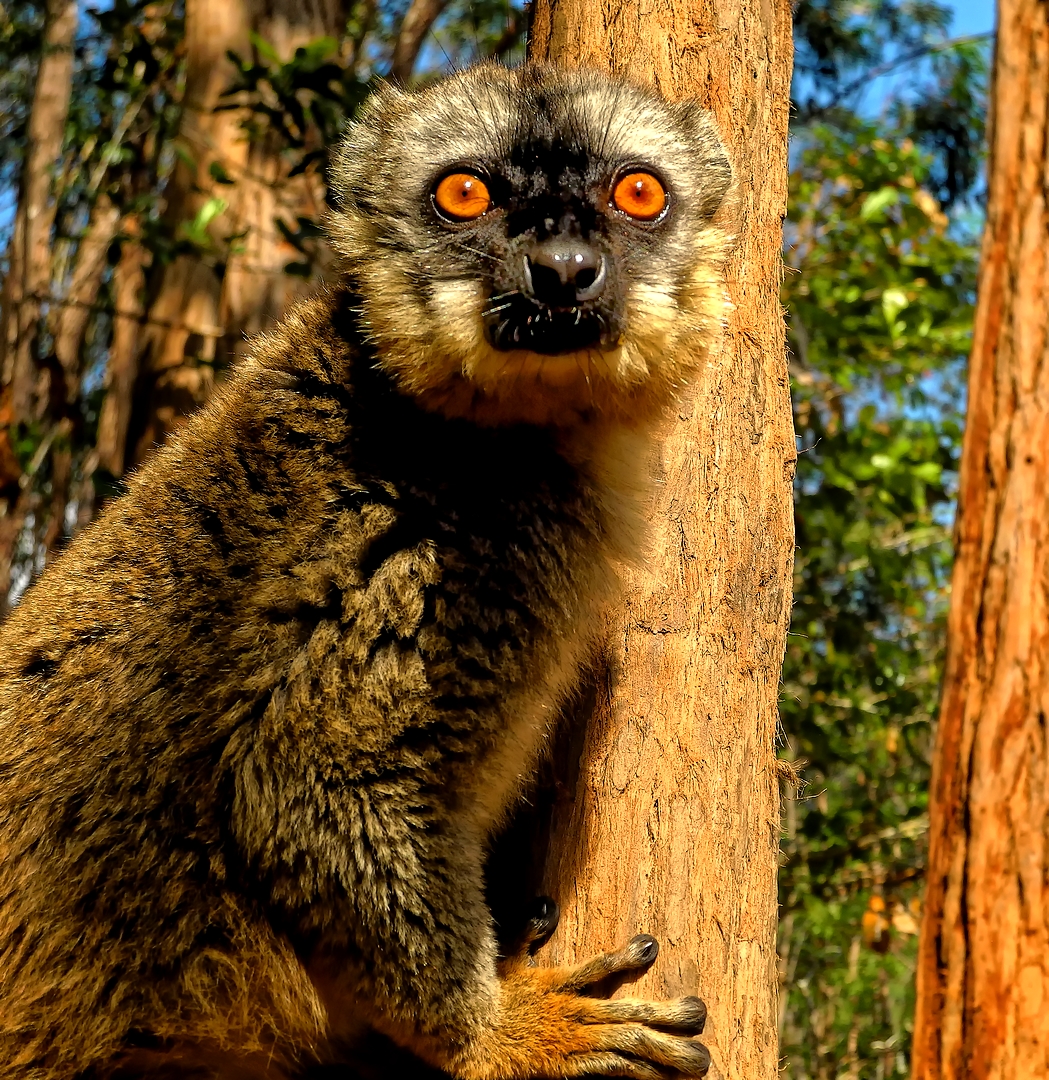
(439,353)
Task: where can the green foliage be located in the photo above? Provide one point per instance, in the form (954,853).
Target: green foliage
(881,275)
(125,106)
(880,312)
(302,104)
(937,97)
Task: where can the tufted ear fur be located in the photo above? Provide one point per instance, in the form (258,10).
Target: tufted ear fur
(718,170)
(361,140)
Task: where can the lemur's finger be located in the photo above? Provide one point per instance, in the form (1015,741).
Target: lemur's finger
(540,926)
(686,1056)
(685,1016)
(638,954)
(602,1064)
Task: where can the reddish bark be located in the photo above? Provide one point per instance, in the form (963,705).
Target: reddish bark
(983,974)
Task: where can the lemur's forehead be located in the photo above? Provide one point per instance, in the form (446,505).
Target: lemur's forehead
(563,121)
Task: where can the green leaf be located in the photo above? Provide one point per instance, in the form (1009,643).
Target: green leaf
(877,202)
(893,301)
(219,174)
(264,48)
(196,231)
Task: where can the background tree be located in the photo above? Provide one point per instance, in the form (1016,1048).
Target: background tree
(983,974)
(183,195)
(225,277)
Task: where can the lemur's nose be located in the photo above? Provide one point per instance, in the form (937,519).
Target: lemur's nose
(564,272)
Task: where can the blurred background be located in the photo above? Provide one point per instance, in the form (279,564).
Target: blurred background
(162,183)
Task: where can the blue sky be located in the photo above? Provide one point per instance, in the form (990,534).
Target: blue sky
(972,17)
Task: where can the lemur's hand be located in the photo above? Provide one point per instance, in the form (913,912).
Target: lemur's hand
(550,1026)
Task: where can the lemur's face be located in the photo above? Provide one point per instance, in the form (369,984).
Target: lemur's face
(535,245)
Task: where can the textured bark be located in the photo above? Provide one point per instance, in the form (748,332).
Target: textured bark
(983,974)
(11,301)
(669,820)
(25,390)
(203,309)
(74,313)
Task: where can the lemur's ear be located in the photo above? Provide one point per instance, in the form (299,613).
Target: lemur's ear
(699,123)
(362,136)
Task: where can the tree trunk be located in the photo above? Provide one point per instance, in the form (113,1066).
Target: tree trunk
(129,282)
(29,274)
(669,820)
(74,313)
(983,968)
(416,24)
(205,305)
(23,393)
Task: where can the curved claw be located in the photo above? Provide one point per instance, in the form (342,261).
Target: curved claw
(638,954)
(541,924)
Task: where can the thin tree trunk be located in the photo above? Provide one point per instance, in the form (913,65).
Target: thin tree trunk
(30,270)
(669,822)
(179,342)
(74,312)
(129,282)
(204,308)
(11,302)
(69,321)
(61,477)
(24,395)
(416,24)
(256,289)
(983,969)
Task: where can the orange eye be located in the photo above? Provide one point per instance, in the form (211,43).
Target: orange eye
(462,197)
(640,195)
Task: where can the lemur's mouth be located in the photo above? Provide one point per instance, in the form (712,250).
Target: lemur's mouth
(521,322)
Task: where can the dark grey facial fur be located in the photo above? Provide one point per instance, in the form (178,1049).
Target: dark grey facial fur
(549,144)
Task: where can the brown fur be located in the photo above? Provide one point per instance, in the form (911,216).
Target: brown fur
(257,726)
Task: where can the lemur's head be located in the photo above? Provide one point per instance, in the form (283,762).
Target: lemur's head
(535,245)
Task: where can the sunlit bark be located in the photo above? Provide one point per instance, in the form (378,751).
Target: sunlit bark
(667,817)
(983,972)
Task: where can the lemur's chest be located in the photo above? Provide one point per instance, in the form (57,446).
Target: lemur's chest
(517,606)
(490,564)
(512,574)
